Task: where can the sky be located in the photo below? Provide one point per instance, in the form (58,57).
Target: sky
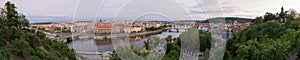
(65,10)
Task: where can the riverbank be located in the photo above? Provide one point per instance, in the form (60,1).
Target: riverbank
(109,36)
(91,45)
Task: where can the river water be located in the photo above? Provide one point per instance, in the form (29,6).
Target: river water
(91,45)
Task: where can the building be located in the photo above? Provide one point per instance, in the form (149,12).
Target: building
(53,27)
(131,29)
(282,15)
(48,27)
(103,28)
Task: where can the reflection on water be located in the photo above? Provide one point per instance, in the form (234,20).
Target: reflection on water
(83,45)
(90,45)
(107,45)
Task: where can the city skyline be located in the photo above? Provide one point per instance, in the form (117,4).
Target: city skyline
(149,30)
(63,10)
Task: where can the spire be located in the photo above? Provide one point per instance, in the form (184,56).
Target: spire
(282,9)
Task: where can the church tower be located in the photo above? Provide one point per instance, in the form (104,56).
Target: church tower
(282,16)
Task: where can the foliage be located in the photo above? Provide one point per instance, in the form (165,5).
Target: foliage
(152,42)
(155,28)
(169,38)
(172,52)
(264,41)
(41,29)
(115,56)
(205,41)
(257,20)
(230,19)
(270,16)
(19,43)
(173,48)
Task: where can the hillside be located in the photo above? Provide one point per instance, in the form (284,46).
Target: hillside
(266,40)
(230,19)
(19,43)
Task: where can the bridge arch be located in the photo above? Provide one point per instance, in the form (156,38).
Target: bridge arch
(170,29)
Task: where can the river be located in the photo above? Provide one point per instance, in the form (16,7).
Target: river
(91,45)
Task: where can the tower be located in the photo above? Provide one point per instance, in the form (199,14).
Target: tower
(282,16)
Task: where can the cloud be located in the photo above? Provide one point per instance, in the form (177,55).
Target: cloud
(64,9)
(31,8)
(197,12)
(229,9)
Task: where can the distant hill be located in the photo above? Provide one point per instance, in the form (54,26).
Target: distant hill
(188,20)
(230,19)
(42,23)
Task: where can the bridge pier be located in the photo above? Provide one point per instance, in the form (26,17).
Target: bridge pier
(170,29)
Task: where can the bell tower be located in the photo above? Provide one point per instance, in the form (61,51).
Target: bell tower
(282,16)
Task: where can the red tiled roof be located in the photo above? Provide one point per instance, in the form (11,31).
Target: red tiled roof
(47,26)
(106,25)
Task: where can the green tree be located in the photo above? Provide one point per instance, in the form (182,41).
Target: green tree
(13,18)
(169,38)
(257,20)
(292,14)
(19,43)
(172,52)
(264,41)
(146,45)
(269,16)
(115,56)
(205,41)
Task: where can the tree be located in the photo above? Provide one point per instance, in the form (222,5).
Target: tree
(205,41)
(115,56)
(172,52)
(146,44)
(19,43)
(269,16)
(169,38)
(264,41)
(11,15)
(172,55)
(257,20)
(292,14)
